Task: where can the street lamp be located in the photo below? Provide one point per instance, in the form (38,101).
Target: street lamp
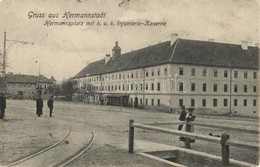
(5,50)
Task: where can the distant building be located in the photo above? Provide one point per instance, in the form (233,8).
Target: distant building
(53,80)
(207,75)
(27,86)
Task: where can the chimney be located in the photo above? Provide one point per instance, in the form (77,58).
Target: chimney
(173,38)
(244,45)
(211,40)
(116,51)
(107,58)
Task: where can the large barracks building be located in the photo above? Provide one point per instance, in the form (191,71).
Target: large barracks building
(207,75)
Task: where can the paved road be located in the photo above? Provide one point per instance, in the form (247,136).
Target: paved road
(109,124)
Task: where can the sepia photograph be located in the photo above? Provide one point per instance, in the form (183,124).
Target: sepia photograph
(129,83)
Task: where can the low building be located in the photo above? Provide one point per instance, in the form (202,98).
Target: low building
(27,86)
(209,76)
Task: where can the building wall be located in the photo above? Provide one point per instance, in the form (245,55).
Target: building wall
(161,84)
(27,89)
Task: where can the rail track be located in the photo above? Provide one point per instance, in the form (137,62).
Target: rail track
(66,150)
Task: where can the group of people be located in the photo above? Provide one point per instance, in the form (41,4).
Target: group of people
(186,117)
(39,105)
(2,105)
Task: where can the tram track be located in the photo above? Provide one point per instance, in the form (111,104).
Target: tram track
(66,150)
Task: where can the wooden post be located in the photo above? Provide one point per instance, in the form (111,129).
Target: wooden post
(131,137)
(225,149)
(188,128)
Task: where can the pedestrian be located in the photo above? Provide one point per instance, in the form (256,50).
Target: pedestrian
(189,119)
(182,117)
(50,105)
(39,106)
(2,106)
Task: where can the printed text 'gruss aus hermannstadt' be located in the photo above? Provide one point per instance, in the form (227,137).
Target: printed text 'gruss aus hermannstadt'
(69,15)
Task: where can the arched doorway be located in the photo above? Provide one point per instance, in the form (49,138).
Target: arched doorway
(136,102)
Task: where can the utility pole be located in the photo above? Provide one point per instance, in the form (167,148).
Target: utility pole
(4,55)
(5,50)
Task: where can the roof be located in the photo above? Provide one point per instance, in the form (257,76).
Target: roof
(52,79)
(183,51)
(20,78)
(91,69)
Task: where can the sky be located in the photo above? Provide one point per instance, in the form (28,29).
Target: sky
(62,51)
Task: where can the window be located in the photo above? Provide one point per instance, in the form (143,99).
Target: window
(193,72)
(131,100)
(181,86)
(225,73)
(136,74)
(165,71)
(181,71)
(235,102)
(225,102)
(152,73)
(146,101)
(235,74)
(152,102)
(141,101)
(235,88)
(215,73)
(245,74)
(108,88)
(215,102)
(215,87)
(180,102)
(146,73)
(132,75)
(146,86)
(112,88)
(192,87)
(254,102)
(123,87)
(203,102)
(254,75)
(192,102)
(158,102)
(245,88)
(225,87)
(158,72)
(254,88)
(158,86)
(204,87)
(119,77)
(141,86)
(152,86)
(132,87)
(204,72)
(115,88)
(245,102)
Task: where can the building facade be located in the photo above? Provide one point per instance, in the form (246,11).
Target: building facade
(209,76)
(27,86)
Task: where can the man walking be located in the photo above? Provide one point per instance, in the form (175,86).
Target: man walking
(182,117)
(50,105)
(39,106)
(2,106)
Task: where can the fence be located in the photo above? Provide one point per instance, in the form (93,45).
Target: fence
(224,140)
